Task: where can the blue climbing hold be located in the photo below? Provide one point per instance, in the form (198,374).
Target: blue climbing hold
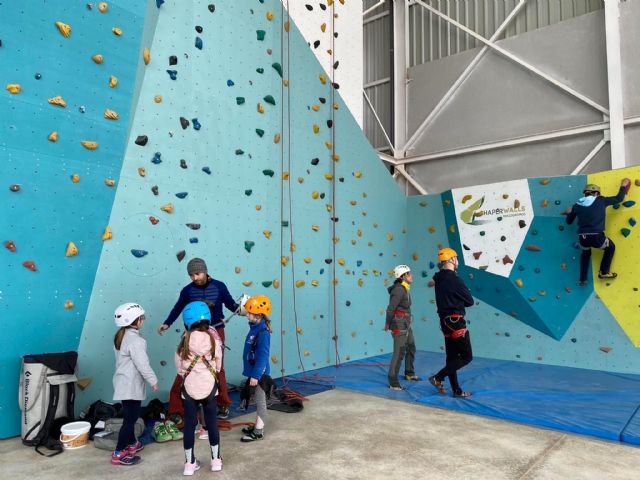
(632,222)
(198,43)
(156,158)
(321,271)
(206,170)
(138,253)
(182,194)
(432,265)
(521,268)
(196,124)
(230,83)
(159,3)
(193,240)
(38,76)
(173,74)
(629,203)
(359,263)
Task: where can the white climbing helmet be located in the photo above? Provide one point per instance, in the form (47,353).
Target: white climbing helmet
(400,270)
(127,313)
(243,301)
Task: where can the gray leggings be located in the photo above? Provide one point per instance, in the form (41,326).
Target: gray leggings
(261,403)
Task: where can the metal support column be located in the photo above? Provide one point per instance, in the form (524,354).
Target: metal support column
(400,53)
(614,72)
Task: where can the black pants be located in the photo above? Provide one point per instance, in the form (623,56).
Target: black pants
(601,241)
(130,413)
(210,410)
(459,354)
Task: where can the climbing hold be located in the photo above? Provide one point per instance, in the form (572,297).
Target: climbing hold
(113,81)
(278,68)
(180,255)
(357,174)
(239,151)
(138,253)
(260,132)
(316,128)
(328,176)
(533,248)
(173,74)
(628,203)
(14,88)
(258,207)
(75,178)
(82,109)
(260,34)
(107,235)
(58,100)
(111,115)
(68,305)
(72,250)
(154,189)
(89,144)
(269,99)
(182,194)
(141,140)
(248,245)
(605,349)
(267,234)
(173,60)
(389,236)
(102,7)
(198,43)
(315,195)
(306,259)
(323,79)
(545,181)
(156,160)
(466,198)
(193,226)
(53,137)
(168,208)
(625,232)
(260,108)
(198,29)
(142,171)
(285,176)
(230,83)
(276,138)
(159,3)
(300,283)
(315,283)
(544,203)
(316,44)
(315,227)
(183,163)
(9,245)
(97,58)
(452,228)
(211,7)
(109,182)
(477,255)
(64,29)
(184,123)
(196,124)
(30,264)
(269,15)
(117,31)
(153,220)
(522,223)
(506,259)
(146,55)
(632,222)
(260,70)
(284,260)
(519,282)
(268,172)
(240,101)
(206,170)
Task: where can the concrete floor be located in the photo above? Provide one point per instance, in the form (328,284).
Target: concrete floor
(347,435)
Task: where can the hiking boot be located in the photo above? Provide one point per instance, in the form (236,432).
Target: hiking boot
(191,468)
(160,433)
(173,430)
(135,448)
(248,430)
(216,464)
(395,387)
(413,378)
(124,458)
(607,276)
(203,434)
(252,436)
(223,412)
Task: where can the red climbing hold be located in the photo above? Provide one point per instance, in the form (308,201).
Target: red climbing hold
(10,245)
(153,220)
(30,265)
(533,248)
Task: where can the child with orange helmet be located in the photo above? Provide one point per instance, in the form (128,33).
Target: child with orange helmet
(255,359)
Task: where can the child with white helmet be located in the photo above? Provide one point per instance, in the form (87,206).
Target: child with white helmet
(198,361)
(132,369)
(398,321)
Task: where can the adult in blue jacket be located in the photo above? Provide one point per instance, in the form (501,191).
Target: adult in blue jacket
(215,294)
(590,210)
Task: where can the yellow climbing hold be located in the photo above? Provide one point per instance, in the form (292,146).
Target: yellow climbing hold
(360,282)
(316,128)
(75,178)
(315,195)
(306,353)
(284,260)
(323,79)
(97,58)
(389,236)
(299,330)
(519,282)
(341,261)
(300,283)
(107,235)
(315,227)
(276,283)
(89,144)
(274,359)
(109,182)
(167,208)
(258,207)
(276,138)
(269,15)
(69,305)
(328,144)
(315,108)
(113,81)
(328,176)
(64,29)
(307,260)
(285,175)
(358,174)
(146,55)
(359,232)
(53,137)
(286,26)
(117,31)
(72,250)
(247,283)
(58,100)
(323,27)
(292,247)
(14,88)
(353,203)
(142,171)
(285,82)
(111,115)
(335,157)
(315,283)
(432,229)
(237,269)
(260,108)
(452,228)
(157,99)
(102,7)
(267,234)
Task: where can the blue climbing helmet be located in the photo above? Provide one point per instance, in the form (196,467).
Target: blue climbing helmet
(195,312)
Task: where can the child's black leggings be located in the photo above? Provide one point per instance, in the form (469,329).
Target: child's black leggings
(130,412)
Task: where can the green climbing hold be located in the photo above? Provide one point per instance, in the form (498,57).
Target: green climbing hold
(248,192)
(424,274)
(625,232)
(268,172)
(248,245)
(260,34)
(267,284)
(260,70)
(270,99)
(285,223)
(239,100)
(239,151)
(278,68)
(260,132)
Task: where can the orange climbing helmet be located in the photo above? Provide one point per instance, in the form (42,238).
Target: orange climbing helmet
(446,254)
(258,304)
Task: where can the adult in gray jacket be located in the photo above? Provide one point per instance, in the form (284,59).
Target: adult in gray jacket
(398,321)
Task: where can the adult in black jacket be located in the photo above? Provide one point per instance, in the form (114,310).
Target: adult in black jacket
(452,296)
(590,211)
(398,321)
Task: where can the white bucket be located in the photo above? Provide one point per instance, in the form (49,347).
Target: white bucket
(74,435)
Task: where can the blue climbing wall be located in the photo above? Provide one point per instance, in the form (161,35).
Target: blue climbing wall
(283,194)
(49,210)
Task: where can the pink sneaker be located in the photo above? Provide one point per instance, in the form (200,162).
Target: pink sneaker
(124,458)
(191,468)
(216,464)
(135,448)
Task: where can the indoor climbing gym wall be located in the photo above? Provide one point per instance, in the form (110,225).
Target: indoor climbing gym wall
(521,261)
(242,152)
(68,73)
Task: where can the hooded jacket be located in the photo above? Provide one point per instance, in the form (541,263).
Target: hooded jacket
(591,212)
(452,295)
(256,359)
(200,382)
(399,300)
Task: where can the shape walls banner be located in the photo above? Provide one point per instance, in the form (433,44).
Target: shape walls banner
(493,221)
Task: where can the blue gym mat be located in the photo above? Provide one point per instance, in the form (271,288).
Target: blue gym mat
(588,402)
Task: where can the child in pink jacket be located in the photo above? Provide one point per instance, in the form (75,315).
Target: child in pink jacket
(198,360)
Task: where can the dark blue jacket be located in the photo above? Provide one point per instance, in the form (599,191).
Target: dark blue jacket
(452,295)
(256,360)
(591,219)
(214,291)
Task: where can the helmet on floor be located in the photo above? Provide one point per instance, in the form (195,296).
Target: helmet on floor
(258,304)
(591,187)
(195,312)
(400,270)
(446,254)
(127,313)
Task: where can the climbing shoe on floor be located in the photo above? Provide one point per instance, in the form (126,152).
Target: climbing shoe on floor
(123,457)
(173,430)
(160,433)
(607,276)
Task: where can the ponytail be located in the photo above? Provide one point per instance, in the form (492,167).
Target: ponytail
(117,339)
(268,323)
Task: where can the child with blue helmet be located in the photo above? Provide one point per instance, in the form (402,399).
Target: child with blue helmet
(198,360)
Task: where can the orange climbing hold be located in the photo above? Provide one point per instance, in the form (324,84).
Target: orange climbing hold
(69,304)
(102,7)
(146,55)
(117,31)
(31,265)
(168,208)
(14,88)
(75,178)
(97,58)
(107,235)
(53,137)
(58,100)
(113,81)
(109,182)
(72,250)
(64,29)
(89,144)
(111,115)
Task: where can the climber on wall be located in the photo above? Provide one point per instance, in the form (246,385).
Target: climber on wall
(590,210)
(452,297)
(214,293)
